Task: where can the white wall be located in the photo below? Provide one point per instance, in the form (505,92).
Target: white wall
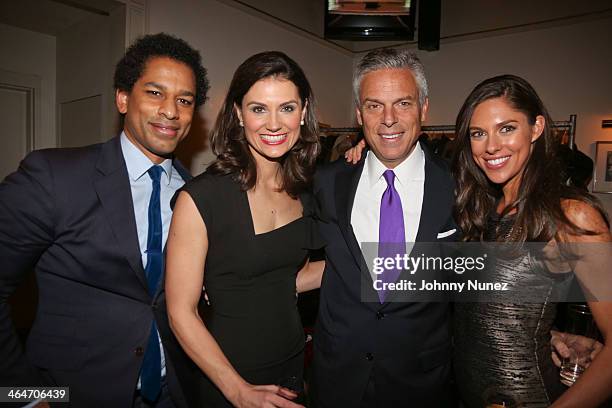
(570,67)
(226,36)
(307,14)
(86,56)
(32,53)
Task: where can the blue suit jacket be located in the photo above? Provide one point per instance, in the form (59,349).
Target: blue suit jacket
(68,214)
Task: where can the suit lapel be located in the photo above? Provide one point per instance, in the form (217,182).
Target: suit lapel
(185,175)
(113,188)
(432,198)
(346,187)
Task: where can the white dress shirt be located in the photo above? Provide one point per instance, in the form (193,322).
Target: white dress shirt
(409,183)
(141,185)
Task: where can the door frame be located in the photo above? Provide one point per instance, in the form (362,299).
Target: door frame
(31,85)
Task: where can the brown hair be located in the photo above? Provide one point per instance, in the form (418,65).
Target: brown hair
(539,214)
(229,142)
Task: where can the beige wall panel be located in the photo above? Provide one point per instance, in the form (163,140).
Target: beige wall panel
(81,122)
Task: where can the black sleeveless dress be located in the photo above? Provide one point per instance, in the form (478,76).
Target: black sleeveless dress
(250,282)
(504,348)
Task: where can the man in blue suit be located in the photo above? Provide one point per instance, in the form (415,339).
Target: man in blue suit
(92,222)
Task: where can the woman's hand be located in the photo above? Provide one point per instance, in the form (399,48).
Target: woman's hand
(562,342)
(353,155)
(264,396)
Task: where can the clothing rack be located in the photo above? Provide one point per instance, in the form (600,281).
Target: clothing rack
(569,125)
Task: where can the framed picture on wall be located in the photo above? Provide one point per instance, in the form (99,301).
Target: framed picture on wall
(602,179)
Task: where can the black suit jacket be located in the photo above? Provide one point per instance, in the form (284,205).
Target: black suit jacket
(404,346)
(68,214)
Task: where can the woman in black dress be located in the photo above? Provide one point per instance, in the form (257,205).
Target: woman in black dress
(243,230)
(509,190)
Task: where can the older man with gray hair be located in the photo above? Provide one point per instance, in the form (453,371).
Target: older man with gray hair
(373,349)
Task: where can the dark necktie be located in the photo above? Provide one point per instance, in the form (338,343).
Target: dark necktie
(151,365)
(391,232)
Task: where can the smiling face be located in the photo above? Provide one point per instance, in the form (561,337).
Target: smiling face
(501,141)
(159,108)
(271,112)
(390,114)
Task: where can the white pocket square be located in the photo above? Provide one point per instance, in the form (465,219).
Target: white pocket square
(446,233)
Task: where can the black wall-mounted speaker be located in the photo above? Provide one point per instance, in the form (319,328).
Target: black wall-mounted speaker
(428,28)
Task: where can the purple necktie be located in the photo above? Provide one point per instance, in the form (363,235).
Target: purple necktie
(391,233)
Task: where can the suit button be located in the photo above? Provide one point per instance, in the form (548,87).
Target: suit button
(139,351)
(369,356)
(380,315)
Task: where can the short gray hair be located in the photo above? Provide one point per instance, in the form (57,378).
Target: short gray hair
(390,58)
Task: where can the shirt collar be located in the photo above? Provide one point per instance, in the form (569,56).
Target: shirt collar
(411,169)
(138,164)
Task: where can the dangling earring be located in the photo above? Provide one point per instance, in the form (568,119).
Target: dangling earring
(302,122)
(241,124)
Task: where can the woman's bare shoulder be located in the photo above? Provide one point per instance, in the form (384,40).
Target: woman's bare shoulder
(584,215)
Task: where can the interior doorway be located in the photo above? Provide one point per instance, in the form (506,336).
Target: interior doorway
(18,104)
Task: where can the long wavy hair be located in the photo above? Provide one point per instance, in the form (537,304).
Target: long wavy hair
(539,214)
(229,142)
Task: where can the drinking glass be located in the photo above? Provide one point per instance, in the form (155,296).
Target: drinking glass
(580,322)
